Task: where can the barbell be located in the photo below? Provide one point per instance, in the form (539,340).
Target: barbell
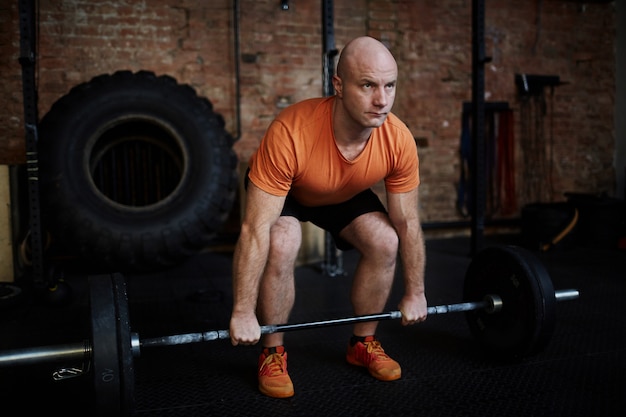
(510,311)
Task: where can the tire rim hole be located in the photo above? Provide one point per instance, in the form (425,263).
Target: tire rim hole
(136,164)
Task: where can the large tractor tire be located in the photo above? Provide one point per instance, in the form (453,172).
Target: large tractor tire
(136,171)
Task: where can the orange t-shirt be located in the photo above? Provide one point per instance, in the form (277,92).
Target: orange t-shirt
(298,155)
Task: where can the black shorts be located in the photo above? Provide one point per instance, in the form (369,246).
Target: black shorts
(335,217)
(332,218)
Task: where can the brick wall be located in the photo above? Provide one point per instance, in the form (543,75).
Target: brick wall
(280,63)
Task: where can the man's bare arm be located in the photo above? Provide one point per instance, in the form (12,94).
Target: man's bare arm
(250,256)
(403,212)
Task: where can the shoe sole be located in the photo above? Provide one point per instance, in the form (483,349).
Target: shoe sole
(379,377)
(275,394)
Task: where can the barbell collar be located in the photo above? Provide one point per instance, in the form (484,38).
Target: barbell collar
(493,303)
(135,344)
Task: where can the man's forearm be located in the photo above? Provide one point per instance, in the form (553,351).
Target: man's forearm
(248,264)
(413,256)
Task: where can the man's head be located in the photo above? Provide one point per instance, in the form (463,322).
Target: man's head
(365,84)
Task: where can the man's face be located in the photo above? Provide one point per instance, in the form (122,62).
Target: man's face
(368,90)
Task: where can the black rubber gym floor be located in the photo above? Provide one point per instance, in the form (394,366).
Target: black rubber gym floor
(581,372)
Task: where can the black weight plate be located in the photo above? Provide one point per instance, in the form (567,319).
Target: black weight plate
(127,370)
(526,322)
(111,348)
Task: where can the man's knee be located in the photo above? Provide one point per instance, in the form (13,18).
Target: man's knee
(373,235)
(285,239)
(387,242)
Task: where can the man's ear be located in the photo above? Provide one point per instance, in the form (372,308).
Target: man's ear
(338,85)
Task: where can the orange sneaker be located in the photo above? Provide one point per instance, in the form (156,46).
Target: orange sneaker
(370,354)
(274,380)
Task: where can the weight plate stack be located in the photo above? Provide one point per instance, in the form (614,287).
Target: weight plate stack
(526,322)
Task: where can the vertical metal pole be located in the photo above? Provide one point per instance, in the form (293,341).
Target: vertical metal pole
(27,60)
(333,259)
(478,123)
(328,42)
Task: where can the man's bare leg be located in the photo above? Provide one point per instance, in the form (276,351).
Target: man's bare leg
(277,287)
(377,242)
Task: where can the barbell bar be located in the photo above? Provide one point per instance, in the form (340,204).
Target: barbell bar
(491,305)
(82,350)
(514,317)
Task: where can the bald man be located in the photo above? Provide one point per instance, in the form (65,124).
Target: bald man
(317,163)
